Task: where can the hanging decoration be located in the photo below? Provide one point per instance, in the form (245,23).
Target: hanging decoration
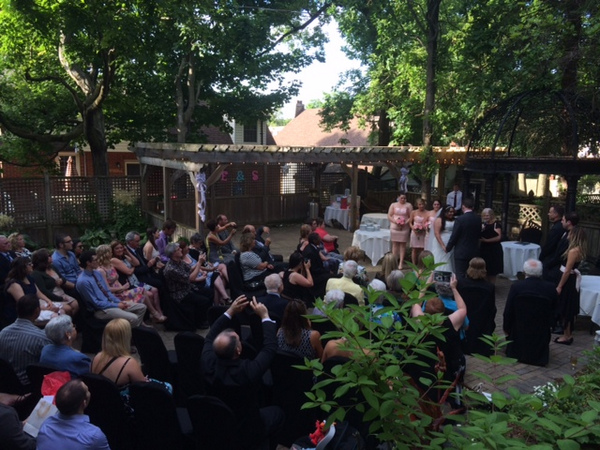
(201,186)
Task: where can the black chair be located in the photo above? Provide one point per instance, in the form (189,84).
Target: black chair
(91,330)
(157,422)
(188,347)
(36,373)
(350,299)
(214,312)
(481,310)
(213,422)
(108,412)
(157,362)
(237,286)
(289,387)
(324,327)
(531,330)
(9,381)
(531,232)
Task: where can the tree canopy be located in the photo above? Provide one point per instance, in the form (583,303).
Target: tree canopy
(100,72)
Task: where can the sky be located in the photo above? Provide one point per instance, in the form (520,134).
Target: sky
(319,78)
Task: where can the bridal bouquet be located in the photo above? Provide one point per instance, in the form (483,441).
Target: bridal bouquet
(419,228)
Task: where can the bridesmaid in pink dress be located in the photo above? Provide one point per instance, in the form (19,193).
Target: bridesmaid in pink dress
(399,215)
(418,225)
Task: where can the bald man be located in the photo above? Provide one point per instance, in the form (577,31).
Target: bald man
(238,382)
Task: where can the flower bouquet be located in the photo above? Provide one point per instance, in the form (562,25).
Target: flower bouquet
(400,222)
(419,228)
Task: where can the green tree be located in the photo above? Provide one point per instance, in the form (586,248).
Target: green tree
(98,73)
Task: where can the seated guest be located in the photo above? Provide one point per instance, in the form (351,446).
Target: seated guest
(334,296)
(50,283)
(329,240)
(272,299)
(295,334)
(216,246)
(394,285)
(528,316)
(17,241)
(61,354)
(263,249)
(165,237)
(263,236)
(207,281)
(65,262)
(354,253)
(450,346)
(390,262)
(70,429)
(145,269)
(224,228)
(21,343)
(480,297)
(12,435)
(188,306)
(98,297)
(238,382)
(197,246)
(350,269)
(298,280)
(114,360)
(6,257)
(317,268)
(124,263)
(253,268)
(19,282)
(150,250)
(305,230)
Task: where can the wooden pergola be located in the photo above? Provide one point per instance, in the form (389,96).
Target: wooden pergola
(214,159)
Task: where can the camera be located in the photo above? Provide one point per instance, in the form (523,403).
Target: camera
(440,276)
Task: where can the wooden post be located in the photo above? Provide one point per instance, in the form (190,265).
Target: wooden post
(354,207)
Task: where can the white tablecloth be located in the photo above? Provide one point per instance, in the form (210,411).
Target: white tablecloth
(341,215)
(380,219)
(374,243)
(589,300)
(515,254)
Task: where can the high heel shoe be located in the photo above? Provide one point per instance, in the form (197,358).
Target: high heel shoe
(158,318)
(565,342)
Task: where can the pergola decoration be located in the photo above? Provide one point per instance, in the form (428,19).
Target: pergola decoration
(194,158)
(540,131)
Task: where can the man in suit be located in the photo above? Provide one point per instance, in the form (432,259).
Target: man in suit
(555,215)
(272,299)
(238,382)
(465,238)
(318,271)
(6,257)
(528,316)
(144,271)
(553,261)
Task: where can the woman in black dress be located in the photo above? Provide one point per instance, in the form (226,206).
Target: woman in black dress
(568,291)
(490,248)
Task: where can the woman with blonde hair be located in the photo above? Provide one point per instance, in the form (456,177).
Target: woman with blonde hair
(399,214)
(305,230)
(568,286)
(388,264)
(17,241)
(114,360)
(490,248)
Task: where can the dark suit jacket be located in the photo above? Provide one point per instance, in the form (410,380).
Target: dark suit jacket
(5,266)
(238,382)
(465,236)
(144,273)
(533,286)
(552,240)
(553,262)
(316,264)
(274,303)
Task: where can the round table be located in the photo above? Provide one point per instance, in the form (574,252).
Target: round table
(375,244)
(589,297)
(515,254)
(380,219)
(341,215)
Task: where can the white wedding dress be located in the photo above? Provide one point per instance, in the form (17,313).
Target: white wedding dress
(439,255)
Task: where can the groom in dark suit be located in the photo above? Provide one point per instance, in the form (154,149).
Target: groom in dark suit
(465,238)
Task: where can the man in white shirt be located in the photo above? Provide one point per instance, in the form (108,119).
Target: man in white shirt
(454,198)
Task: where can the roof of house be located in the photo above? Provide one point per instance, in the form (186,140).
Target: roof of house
(304,130)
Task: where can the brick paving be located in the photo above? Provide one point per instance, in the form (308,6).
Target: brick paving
(285,239)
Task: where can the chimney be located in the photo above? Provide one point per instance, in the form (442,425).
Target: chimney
(299,108)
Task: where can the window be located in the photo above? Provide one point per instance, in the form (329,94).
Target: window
(250,132)
(132,169)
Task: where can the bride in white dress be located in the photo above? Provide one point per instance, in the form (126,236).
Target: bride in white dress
(442,229)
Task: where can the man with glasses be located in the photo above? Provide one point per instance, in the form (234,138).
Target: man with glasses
(65,262)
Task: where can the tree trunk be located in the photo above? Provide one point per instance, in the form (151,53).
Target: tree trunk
(95,134)
(433,18)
